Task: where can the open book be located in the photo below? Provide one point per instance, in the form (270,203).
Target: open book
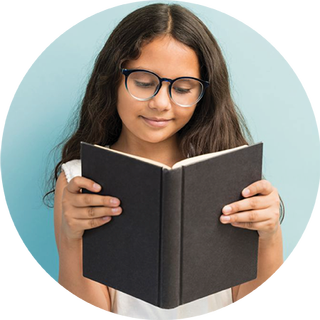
(168,247)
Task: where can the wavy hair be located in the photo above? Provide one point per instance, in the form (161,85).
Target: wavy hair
(216,124)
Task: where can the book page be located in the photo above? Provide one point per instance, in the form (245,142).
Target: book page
(156,163)
(181,163)
(204,157)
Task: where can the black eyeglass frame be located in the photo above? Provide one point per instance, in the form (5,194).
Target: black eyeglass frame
(127,72)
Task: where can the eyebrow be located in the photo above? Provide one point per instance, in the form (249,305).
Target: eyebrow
(147,69)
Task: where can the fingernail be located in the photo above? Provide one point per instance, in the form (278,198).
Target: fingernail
(246,192)
(114,201)
(225,218)
(226,209)
(96,186)
(116,210)
(107,218)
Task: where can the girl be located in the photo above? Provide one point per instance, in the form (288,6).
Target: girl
(159,89)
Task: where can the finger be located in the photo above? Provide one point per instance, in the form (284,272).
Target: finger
(251,216)
(97,212)
(253,203)
(262,226)
(251,225)
(92,200)
(262,187)
(78,183)
(87,224)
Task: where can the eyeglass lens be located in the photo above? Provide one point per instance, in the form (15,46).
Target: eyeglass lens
(143,86)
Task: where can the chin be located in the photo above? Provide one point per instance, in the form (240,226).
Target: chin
(156,139)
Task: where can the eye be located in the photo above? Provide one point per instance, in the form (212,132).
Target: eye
(142,84)
(184,86)
(180,90)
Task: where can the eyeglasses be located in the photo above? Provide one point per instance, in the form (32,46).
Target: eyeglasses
(143,85)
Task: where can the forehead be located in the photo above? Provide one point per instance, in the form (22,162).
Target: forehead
(168,58)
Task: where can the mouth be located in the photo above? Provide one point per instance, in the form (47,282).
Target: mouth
(156,122)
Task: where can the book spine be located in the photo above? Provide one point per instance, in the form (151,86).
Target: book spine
(170,243)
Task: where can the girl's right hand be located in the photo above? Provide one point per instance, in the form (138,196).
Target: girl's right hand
(83,211)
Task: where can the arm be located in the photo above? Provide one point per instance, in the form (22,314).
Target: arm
(256,299)
(258,211)
(72,215)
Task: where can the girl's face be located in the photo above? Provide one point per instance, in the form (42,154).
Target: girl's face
(158,119)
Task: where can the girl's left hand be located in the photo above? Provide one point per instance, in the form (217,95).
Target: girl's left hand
(259,210)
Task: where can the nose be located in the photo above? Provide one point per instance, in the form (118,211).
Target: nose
(161,100)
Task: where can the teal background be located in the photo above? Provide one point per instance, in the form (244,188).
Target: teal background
(264,86)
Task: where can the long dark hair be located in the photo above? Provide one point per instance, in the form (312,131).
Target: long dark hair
(216,124)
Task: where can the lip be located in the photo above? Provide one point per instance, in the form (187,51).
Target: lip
(156,122)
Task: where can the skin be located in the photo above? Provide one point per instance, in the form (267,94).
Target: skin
(143,134)
(167,58)
(254,213)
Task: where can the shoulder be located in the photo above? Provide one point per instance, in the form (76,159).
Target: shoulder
(71,169)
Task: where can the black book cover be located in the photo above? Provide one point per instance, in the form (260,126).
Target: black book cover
(168,246)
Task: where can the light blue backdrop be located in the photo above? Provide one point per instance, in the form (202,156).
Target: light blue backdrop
(263,85)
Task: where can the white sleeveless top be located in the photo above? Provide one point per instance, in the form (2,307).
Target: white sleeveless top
(129,306)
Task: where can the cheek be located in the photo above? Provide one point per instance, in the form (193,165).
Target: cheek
(123,101)
(121,95)
(185,116)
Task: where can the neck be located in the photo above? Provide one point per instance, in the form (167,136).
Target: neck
(166,152)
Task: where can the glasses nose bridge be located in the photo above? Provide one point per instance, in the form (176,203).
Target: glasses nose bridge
(161,80)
